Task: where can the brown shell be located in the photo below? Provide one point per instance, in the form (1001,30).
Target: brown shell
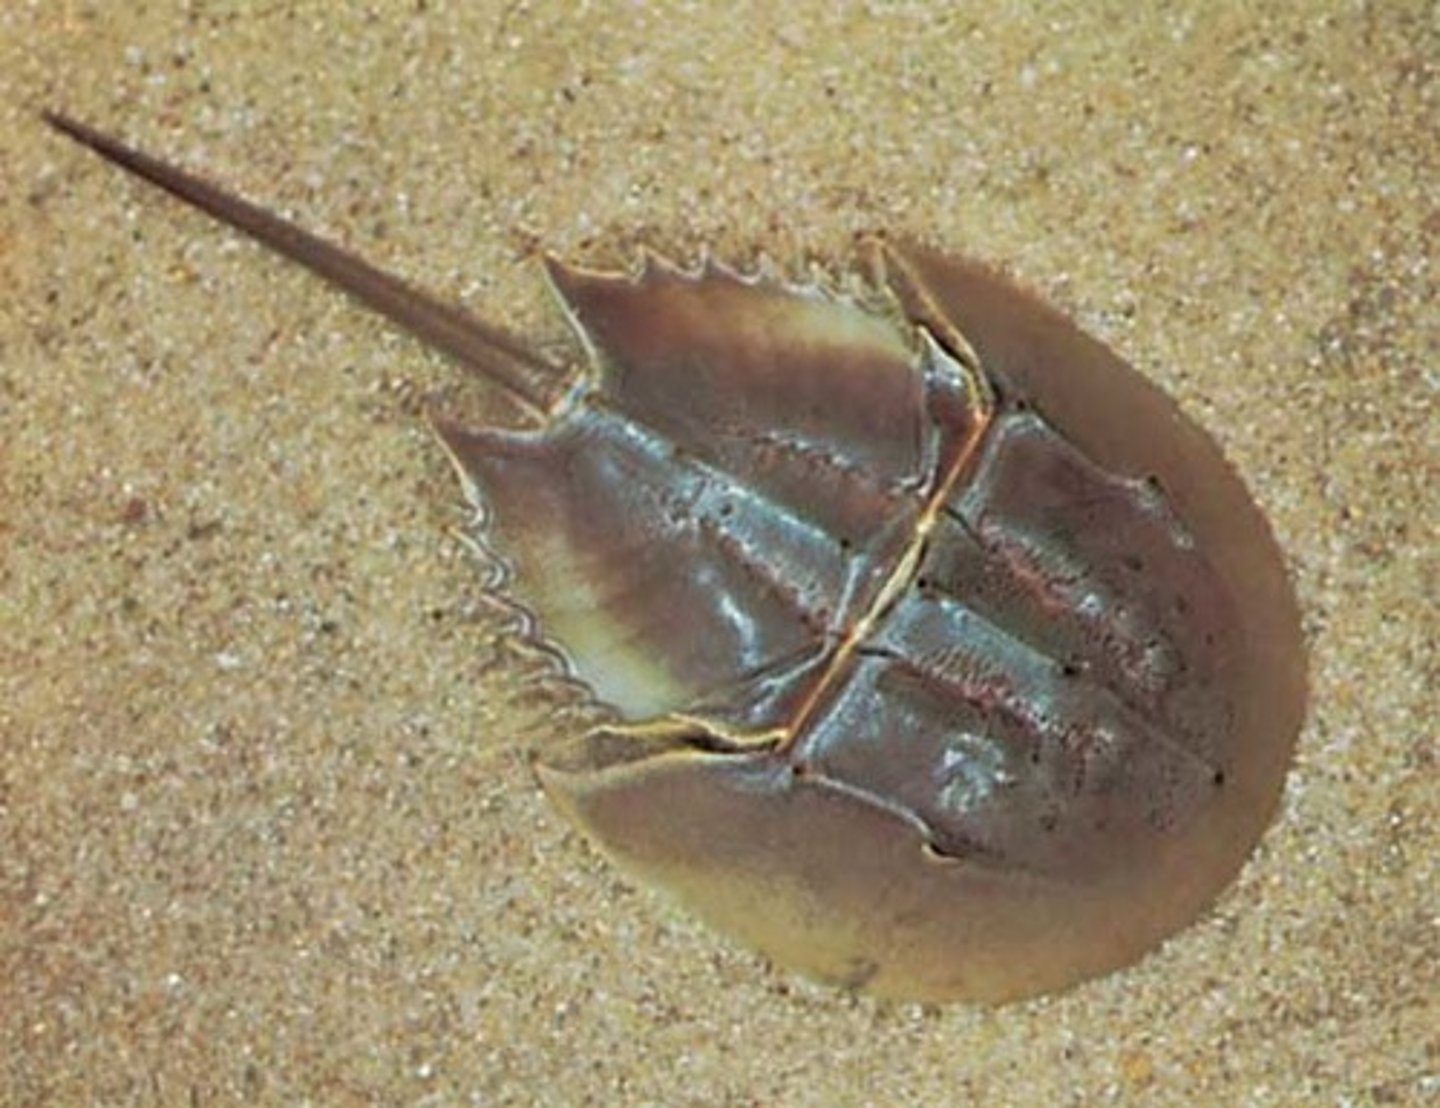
(949,659)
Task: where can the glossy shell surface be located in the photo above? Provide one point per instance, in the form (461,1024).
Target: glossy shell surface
(946,658)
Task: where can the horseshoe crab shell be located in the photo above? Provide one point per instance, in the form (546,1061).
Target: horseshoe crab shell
(948,659)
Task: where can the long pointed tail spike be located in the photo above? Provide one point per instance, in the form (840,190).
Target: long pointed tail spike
(474,344)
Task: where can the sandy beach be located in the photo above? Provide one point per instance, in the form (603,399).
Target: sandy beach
(267,834)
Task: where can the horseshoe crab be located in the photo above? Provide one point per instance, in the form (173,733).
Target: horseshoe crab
(948,659)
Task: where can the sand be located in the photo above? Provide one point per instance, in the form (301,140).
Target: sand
(265,833)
